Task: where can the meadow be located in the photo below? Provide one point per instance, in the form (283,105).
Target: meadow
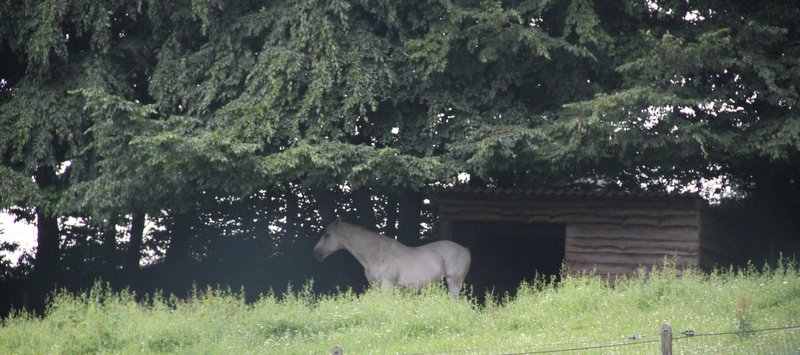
(580,311)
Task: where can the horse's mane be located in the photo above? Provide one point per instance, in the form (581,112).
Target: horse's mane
(354,229)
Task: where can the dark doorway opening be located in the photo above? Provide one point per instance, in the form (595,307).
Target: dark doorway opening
(506,253)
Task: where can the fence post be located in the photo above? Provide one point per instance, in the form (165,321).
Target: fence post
(337,350)
(666,339)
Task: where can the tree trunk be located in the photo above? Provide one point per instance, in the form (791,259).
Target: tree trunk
(180,237)
(47,243)
(366,211)
(391,215)
(292,211)
(109,238)
(302,240)
(326,206)
(46,260)
(410,205)
(134,252)
(769,221)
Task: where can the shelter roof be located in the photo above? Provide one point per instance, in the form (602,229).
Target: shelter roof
(466,190)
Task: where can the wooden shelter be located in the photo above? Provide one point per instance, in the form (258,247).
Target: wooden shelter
(608,233)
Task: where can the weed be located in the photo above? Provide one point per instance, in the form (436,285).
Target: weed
(580,309)
(744,315)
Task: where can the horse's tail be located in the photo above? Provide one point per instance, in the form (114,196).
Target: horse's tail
(456,268)
(467,260)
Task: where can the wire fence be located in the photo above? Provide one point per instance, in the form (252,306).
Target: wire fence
(605,347)
(776,340)
(588,347)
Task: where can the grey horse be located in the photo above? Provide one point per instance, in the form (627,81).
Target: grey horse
(388,263)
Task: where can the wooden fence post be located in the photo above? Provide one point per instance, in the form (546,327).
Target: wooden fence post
(337,350)
(666,339)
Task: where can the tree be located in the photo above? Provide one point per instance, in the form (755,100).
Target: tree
(373,97)
(223,119)
(708,90)
(44,51)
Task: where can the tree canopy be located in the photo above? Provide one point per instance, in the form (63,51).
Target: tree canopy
(282,114)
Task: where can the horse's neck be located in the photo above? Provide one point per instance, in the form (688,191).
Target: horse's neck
(366,246)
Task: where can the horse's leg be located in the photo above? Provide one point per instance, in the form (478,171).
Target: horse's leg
(376,280)
(455,273)
(454,285)
(386,286)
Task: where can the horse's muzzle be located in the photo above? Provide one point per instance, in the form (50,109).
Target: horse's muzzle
(318,255)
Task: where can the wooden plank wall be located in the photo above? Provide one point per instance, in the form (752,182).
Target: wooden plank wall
(621,249)
(608,235)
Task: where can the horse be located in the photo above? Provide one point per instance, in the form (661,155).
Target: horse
(389,263)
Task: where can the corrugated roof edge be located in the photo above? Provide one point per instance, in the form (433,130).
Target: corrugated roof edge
(556,192)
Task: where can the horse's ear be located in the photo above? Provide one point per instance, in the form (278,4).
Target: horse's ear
(335,222)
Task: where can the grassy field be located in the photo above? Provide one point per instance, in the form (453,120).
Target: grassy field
(582,311)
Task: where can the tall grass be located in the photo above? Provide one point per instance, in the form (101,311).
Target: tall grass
(580,310)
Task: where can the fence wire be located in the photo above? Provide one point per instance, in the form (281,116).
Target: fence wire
(641,344)
(627,347)
(777,340)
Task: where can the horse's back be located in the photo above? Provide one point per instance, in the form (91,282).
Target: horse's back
(447,247)
(455,256)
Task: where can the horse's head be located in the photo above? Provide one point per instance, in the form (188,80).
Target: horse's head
(329,242)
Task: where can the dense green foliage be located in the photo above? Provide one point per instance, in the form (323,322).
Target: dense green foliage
(582,311)
(251,123)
